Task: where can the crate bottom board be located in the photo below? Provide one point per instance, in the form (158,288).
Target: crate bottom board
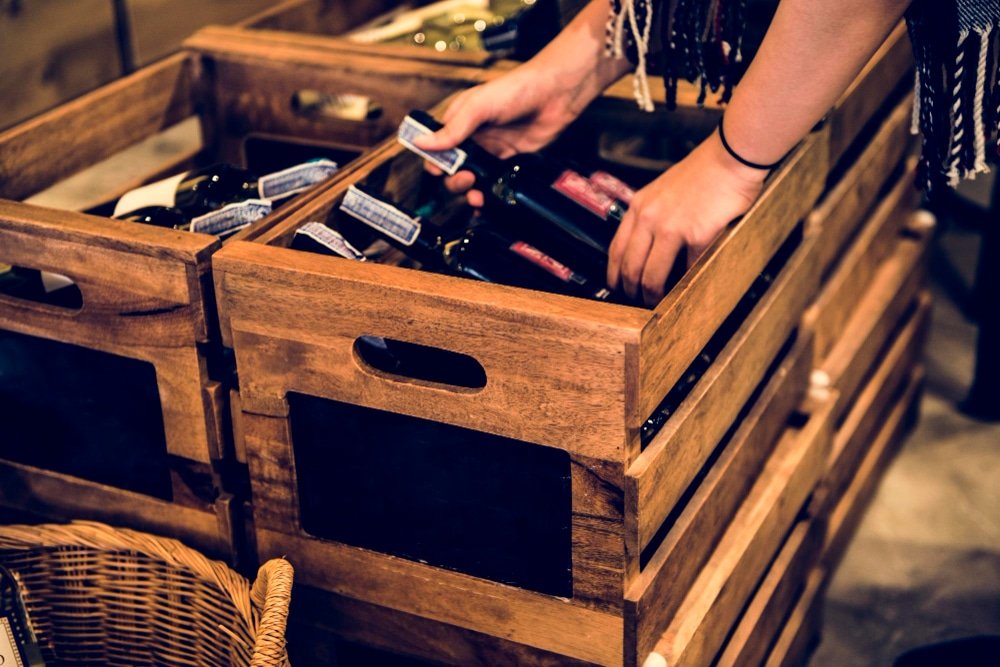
(30,492)
(329,629)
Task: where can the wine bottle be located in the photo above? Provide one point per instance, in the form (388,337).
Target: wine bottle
(160,216)
(583,215)
(487,252)
(317,237)
(346,106)
(18,644)
(208,189)
(225,221)
(400,227)
(483,252)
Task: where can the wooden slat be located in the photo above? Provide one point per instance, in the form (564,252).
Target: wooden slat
(851,506)
(54,495)
(231,41)
(318,619)
(664,470)
(685,320)
(653,596)
(845,207)
(801,628)
(838,301)
(892,293)
(536,620)
(39,152)
(865,418)
(774,600)
(861,101)
(725,584)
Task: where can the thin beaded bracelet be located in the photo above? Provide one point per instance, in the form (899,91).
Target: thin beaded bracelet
(739,158)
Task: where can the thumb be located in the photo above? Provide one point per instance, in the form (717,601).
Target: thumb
(459,128)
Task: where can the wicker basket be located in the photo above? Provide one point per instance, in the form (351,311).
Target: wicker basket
(110,596)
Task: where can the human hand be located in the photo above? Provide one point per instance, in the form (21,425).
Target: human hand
(685,207)
(520,112)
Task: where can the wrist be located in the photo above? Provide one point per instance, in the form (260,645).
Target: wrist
(751,176)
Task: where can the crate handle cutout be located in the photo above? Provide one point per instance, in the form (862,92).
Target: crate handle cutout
(44,287)
(402,361)
(352,107)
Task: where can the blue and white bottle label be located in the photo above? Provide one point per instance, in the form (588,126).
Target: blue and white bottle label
(449,161)
(330,239)
(231,218)
(381,215)
(294,180)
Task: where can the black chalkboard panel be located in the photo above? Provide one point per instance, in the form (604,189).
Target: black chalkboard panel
(83,413)
(454,498)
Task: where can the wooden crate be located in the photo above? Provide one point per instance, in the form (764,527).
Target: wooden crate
(605,366)
(143,289)
(891,295)
(726,583)
(766,615)
(52,50)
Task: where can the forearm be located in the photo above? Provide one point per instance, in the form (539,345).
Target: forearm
(812,52)
(575,62)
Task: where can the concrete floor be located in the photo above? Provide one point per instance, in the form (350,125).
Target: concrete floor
(924,565)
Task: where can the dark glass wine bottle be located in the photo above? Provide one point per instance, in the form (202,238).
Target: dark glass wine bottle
(483,252)
(160,216)
(582,214)
(18,644)
(201,191)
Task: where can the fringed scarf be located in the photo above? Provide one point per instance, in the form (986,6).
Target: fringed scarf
(957,105)
(700,40)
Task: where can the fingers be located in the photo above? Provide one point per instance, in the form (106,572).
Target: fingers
(633,260)
(658,266)
(616,252)
(460,182)
(460,122)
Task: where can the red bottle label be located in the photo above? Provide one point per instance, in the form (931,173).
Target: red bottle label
(583,192)
(612,186)
(540,259)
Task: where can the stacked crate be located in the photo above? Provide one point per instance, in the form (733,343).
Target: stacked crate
(870,323)
(144,300)
(712,542)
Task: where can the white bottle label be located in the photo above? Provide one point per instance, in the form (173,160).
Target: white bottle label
(294,180)
(9,655)
(231,218)
(328,238)
(381,215)
(448,161)
(160,193)
(53,281)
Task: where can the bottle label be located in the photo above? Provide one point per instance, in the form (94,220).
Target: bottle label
(9,655)
(294,180)
(160,193)
(449,161)
(584,193)
(328,238)
(382,216)
(232,217)
(52,282)
(541,260)
(612,186)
